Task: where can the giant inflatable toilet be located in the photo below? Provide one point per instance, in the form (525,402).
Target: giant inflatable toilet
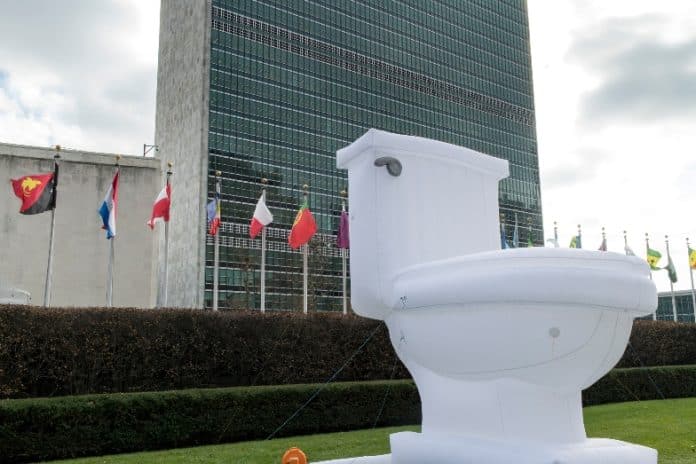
(499,342)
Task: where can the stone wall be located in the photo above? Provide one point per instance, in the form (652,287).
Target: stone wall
(81,251)
(181,132)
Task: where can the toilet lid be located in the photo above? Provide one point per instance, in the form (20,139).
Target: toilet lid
(595,279)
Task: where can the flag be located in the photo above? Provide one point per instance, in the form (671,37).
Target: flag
(552,241)
(692,258)
(671,271)
(515,235)
(504,245)
(262,217)
(628,250)
(603,246)
(38,192)
(160,209)
(214,213)
(653,259)
(530,242)
(343,236)
(107,210)
(574,242)
(303,228)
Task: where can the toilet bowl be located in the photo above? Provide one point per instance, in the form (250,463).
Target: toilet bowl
(500,343)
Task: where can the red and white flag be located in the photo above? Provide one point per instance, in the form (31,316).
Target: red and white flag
(262,217)
(160,209)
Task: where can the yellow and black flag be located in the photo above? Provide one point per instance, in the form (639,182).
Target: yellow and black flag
(37,192)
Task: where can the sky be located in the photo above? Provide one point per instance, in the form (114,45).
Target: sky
(614,84)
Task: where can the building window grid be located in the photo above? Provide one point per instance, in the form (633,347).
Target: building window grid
(499,134)
(425,30)
(386,73)
(492,72)
(327,299)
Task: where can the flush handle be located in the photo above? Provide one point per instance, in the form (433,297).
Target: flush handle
(393,165)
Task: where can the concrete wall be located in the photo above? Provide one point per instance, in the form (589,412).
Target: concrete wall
(80,247)
(181,132)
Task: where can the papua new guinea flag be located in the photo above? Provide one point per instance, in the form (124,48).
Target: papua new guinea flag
(303,228)
(37,192)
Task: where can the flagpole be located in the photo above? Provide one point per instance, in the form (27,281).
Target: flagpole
(671,284)
(344,259)
(216,249)
(49,267)
(264,181)
(305,253)
(579,236)
(503,234)
(166,246)
(647,251)
(691,273)
(555,234)
(110,269)
(625,243)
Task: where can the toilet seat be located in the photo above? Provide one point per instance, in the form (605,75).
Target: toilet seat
(528,276)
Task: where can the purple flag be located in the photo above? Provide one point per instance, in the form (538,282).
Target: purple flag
(342,239)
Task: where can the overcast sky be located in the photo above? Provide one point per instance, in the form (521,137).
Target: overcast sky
(615,91)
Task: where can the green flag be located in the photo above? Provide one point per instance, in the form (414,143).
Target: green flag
(653,259)
(530,242)
(670,269)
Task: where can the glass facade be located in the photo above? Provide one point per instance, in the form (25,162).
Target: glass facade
(292,81)
(684,306)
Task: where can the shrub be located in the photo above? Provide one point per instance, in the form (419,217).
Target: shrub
(53,428)
(640,384)
(51,352)
(660,343)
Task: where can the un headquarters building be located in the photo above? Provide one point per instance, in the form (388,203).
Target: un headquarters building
(271,89)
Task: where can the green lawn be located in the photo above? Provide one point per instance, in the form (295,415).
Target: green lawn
(669,426)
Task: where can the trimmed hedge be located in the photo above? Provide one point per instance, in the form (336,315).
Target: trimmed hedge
(640,384)
(80,351)
(55,352)
(660,343)
(52,428)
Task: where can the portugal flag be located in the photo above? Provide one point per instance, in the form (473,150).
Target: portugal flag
(37,192)
(303,228)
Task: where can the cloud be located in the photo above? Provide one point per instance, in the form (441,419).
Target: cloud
(641,76)
(83,75)
(576,168)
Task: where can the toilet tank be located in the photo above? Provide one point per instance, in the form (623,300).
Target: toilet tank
(444,203)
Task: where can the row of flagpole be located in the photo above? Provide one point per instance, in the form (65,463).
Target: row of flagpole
(303,229)
(39,194)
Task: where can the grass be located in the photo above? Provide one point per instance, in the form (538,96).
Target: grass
(668,425)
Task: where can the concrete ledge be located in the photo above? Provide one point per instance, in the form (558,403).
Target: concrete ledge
(78,156)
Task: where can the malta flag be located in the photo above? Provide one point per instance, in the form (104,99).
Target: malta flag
(107,210)
(160,210)
(37,192)
(303,228)
(262,217)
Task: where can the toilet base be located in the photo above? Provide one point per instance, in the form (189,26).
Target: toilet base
(416,448)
